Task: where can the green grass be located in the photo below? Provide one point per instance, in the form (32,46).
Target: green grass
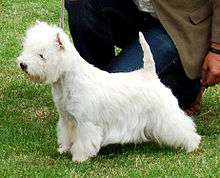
(28,120)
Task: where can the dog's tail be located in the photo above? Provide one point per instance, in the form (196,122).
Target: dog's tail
(149,65)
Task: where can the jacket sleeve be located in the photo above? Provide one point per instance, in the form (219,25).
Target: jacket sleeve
(216,21)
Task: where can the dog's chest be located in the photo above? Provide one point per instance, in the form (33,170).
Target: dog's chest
(60,95)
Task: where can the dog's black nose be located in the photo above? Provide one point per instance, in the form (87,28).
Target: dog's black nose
(23,66)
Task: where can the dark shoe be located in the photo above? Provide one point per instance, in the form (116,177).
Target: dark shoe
(196,106)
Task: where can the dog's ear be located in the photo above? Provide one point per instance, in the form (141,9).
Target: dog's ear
(59,42)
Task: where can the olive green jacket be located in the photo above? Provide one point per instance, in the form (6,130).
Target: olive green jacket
(193,25)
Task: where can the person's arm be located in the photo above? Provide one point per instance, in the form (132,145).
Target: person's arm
(211,66)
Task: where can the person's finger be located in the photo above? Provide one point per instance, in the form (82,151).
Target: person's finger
(212,78)
(203,78)
(204,73)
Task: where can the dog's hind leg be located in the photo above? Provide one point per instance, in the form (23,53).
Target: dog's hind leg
(87,143)
(173,129)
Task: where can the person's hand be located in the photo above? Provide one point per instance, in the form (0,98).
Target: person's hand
(211,69)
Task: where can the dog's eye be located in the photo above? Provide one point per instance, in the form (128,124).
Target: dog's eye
(42,57)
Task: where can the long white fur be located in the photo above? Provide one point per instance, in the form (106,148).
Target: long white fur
(97,108)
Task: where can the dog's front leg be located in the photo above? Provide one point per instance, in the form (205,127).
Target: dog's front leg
(87,143)
(65,132)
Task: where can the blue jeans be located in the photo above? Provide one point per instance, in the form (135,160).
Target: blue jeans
(97,26)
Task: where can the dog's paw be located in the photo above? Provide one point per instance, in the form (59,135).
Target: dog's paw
(80,159)
(63,149)
(193,142)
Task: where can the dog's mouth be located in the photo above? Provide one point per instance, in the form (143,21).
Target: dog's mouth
(37,78)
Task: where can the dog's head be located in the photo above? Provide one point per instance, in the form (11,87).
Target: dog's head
(42,55)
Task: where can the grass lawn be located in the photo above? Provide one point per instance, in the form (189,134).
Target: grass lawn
(28,120)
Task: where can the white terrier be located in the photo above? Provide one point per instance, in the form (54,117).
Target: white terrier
(98,108)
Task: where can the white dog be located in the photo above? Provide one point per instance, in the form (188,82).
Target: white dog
(98,108)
